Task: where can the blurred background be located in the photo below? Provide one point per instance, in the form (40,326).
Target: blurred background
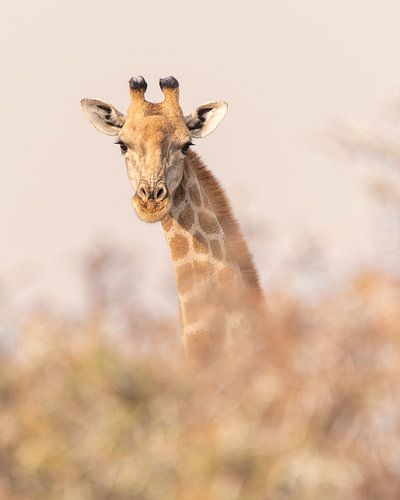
(93,402)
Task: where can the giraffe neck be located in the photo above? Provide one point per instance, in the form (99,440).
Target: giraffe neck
(216,284)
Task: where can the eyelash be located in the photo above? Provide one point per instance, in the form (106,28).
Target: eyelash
(123,146)
(186,147)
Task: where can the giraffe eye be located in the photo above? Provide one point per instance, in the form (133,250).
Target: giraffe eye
(123,146)
(186,147)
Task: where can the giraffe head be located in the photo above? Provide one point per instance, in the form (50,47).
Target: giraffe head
(154,139)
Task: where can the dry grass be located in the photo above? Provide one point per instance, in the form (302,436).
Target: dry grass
(317,416)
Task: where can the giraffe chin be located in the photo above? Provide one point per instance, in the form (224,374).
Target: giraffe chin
(151,211)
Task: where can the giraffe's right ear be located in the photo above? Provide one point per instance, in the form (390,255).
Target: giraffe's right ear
(206,118)
(103,116)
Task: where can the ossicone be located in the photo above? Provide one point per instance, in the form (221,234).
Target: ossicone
(170,82)
(138,83)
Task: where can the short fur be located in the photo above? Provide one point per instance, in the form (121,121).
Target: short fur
(209,253)
(229,224)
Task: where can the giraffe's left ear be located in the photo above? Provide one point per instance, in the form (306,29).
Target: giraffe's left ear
(103,116)
(206,118)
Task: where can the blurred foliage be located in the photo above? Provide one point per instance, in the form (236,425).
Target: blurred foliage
(85,414)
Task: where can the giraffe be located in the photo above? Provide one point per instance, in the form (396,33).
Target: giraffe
(220,299)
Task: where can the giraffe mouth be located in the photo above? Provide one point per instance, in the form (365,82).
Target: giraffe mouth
(150,210)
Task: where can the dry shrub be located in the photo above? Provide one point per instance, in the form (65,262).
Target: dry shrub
(315,415)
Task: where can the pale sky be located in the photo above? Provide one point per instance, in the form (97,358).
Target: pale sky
(289,71)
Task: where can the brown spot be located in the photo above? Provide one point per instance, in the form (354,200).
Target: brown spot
(206,201)
(216,249)
(227,278)
(195,195)
(229,255)
(186,217)
(199,346)
(203,270)
(193,310)
(179,246)
(184,278)
(208,223)
(167,223)
(205,346)
(179,195)
(200,243)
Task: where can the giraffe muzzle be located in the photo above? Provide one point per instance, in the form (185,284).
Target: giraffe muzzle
(156,193)
(151,202)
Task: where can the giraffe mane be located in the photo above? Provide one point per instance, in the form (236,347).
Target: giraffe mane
(223,211)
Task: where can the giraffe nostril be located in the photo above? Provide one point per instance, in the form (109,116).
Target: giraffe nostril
(161,192)
(143,193)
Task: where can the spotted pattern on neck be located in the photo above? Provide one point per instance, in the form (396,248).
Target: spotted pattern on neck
(211,288)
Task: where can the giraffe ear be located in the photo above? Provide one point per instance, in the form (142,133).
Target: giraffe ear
(206,118)
(103,116)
